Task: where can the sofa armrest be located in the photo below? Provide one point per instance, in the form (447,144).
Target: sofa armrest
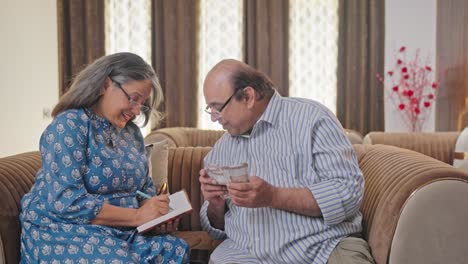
(16,178)
(432,225)
(391,175)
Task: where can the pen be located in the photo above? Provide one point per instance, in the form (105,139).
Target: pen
(147,196)
(144,195)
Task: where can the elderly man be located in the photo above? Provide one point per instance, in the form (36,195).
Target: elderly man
(301,204)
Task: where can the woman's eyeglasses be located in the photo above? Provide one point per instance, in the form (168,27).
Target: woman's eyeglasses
(132,101)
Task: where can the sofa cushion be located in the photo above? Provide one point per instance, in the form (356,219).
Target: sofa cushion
(157,162)
(426,215)
(391,175)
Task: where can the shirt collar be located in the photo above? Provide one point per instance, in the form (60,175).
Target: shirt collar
(271,113)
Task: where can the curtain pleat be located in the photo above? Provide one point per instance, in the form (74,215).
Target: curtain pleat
(174,32)
(360,102)
(266,39)
(81,36)
(452,63)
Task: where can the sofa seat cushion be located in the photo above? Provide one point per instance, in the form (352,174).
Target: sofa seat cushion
(198,239)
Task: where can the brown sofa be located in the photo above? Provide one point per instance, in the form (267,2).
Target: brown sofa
(439,145)
(414,208)
(194,137)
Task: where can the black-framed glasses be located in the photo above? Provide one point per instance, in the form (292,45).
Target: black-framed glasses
(131,101)
(216,112)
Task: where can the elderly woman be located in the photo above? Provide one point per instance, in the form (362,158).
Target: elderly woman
(82,207)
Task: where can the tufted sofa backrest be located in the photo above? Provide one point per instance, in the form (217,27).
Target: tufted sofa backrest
(16,178)
(185,136)
(438,145)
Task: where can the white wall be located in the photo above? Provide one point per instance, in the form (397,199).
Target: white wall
(28,72)
(411,23)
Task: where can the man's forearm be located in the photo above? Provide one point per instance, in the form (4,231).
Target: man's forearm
(297,200)
(216,214)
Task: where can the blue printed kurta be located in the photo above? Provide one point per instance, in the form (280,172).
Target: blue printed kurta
(85,163)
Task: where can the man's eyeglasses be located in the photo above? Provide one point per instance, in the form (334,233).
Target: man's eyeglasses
(216,112)
(132,101)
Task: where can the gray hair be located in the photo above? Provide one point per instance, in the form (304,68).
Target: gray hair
(248,76)
(121,67)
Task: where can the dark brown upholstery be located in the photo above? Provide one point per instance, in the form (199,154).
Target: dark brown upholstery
(439,145)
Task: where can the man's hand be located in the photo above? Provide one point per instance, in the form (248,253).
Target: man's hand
(213,193)
(211,190)
(253,194)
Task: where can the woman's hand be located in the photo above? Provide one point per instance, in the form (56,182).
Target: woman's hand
(152,208)
(167,227)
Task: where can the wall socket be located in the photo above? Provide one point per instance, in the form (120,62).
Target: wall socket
(46,113)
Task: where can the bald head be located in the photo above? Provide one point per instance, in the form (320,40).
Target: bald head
(236,95)
(224,70)
(238,75)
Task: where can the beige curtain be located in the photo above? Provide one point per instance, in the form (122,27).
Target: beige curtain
(81,36)
(266,39)
(452,63)
(174,31)
(360,101)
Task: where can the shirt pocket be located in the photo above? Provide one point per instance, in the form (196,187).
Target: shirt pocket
(281,170)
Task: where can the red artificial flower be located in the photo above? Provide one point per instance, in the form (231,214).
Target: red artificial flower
(409,82)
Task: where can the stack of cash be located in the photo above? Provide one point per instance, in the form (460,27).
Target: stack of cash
(227,174)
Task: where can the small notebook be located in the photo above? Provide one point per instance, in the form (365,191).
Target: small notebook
(179,204)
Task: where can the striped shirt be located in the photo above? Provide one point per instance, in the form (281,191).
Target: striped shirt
(296,143)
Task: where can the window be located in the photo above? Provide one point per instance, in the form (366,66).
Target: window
(220,38)
(128,28)
(313,50)
(313,39)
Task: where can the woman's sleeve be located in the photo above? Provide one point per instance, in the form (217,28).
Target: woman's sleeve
(64,163)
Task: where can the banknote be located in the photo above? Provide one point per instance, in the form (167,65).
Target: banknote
(227,174)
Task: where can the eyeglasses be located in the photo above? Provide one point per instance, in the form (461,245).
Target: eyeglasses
(133,102)
(216,112)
